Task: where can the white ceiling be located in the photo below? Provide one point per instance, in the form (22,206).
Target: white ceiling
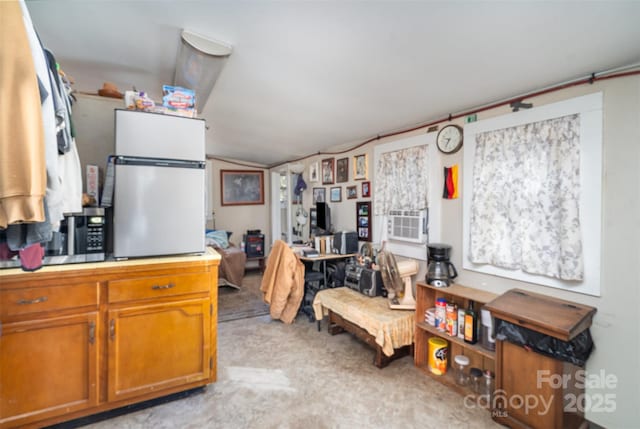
(305,76)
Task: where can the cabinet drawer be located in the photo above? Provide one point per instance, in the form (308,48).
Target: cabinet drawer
(156,287)
(16,302)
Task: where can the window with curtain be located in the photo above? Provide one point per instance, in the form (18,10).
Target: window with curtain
(401,180)
(526,197)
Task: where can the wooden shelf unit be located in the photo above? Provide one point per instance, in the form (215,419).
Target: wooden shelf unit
(478,356)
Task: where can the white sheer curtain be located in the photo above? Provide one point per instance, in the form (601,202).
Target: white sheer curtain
(526,194)
(401,180)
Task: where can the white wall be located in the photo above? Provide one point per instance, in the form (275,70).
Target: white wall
(343,214)
(239,219)
(616,327)
(93,119)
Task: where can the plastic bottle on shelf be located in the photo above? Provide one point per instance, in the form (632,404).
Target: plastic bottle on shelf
(452,319)
(488,385)
(441,314)
(461,312)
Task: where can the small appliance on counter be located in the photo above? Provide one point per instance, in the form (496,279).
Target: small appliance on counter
(81,238)
(440,272)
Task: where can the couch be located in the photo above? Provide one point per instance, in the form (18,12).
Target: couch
(232,265)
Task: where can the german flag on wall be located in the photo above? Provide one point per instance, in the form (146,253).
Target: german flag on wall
(450,189)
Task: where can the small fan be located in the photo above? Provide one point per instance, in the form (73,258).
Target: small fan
(397,280)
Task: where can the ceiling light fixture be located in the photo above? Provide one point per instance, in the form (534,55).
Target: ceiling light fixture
(199,64)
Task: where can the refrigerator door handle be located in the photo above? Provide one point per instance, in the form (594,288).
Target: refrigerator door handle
(158,162)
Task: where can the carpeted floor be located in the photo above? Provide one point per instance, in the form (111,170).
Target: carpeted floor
(234,304)
(277,376)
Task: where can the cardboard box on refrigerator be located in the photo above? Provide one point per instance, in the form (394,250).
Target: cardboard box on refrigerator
(93,182)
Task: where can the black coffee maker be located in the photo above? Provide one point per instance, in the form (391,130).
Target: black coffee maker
(440,272)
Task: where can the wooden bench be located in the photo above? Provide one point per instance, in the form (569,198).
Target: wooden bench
(338,324)
(388,332)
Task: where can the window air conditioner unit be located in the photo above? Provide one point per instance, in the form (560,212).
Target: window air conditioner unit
(407,225)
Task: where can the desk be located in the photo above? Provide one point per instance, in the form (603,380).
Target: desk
(389,332)
(324,258)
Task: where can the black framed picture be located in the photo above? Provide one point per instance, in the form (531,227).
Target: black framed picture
(342,170)
(363,220)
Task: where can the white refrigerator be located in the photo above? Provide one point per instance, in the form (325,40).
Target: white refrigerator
(159,185)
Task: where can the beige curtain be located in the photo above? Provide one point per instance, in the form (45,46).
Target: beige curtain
(525,201)
(401,180)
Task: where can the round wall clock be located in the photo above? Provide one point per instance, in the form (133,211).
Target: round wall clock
(449,139)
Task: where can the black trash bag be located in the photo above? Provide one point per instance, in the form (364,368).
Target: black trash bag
(575,351)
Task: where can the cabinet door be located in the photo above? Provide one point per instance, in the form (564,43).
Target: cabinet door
(158,346)
(48,367)
(526,395)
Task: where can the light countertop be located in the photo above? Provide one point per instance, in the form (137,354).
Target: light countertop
(210,254)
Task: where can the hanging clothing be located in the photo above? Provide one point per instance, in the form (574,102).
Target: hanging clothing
(71,178)
(283,283)
(54,185)
(22,152)
(61,105)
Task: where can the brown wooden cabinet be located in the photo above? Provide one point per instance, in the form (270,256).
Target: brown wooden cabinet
(48,367)
(153,347)
(531,395)
(77,340)
(478,356)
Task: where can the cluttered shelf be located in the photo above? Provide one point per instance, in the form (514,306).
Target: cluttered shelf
(444,350)
(477,348)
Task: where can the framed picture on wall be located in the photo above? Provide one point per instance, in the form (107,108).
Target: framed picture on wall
(336,194)
(342,170)
(360,167)
(313,172)
(352,192)
(241,187)
(366,189)
(363,220)
(319,195)
(327,171)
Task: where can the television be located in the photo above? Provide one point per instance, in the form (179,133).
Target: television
(323,218)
